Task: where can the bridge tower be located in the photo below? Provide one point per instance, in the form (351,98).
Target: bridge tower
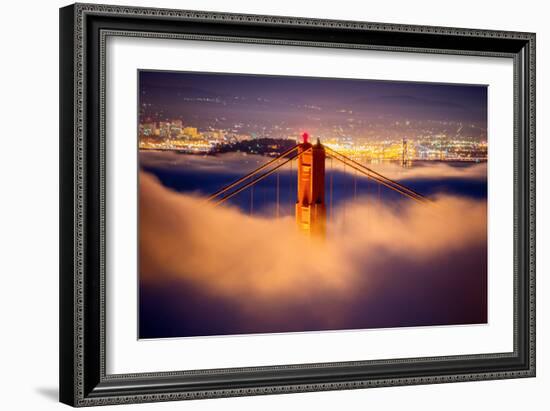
(310,204)
(404,153)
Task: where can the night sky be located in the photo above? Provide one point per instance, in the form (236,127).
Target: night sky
(221,100)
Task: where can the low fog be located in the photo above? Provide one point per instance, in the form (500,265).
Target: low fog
(229,253)
(207,270)
(241,163)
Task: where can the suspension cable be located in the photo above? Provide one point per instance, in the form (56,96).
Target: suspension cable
(355,186)
(277,213)
(251,174)
(394,185)
(290,187)
(331,184)
(259,178)
(418,197)
(373,174)
(252,200)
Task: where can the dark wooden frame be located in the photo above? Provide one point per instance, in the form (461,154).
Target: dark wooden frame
(83,30)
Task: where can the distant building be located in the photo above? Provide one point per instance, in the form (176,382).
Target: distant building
(176,128)
(191,132)
(147,129)
(164,129)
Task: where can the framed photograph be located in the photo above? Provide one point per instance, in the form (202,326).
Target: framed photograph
(260,204)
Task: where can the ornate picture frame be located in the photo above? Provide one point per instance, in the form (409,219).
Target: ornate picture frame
(84,29)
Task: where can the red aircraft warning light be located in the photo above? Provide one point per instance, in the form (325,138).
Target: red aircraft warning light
(305,137)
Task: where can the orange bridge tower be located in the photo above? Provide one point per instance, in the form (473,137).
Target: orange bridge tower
(310,205)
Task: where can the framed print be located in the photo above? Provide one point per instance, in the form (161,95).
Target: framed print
(262,204)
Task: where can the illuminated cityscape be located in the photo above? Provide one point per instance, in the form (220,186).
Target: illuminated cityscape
(368,120)
(179,136)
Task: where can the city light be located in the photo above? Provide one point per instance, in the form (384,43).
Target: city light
(176,135)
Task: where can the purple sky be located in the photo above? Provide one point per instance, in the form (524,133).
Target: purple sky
(266,101)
